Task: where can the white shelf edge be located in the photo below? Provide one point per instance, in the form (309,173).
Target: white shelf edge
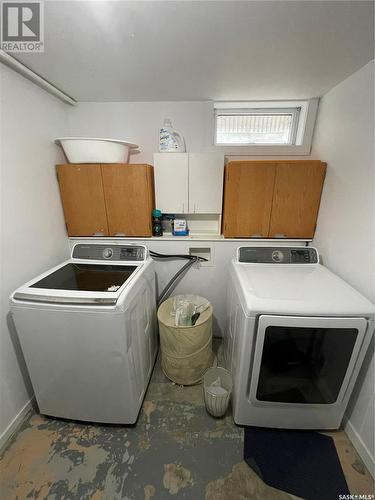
(206,237)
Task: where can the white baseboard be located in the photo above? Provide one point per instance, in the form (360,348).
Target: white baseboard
(360,446)
(15,424)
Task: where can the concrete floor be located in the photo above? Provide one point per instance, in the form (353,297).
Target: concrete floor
(176,450)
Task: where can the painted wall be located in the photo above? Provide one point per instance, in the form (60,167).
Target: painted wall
(139,122)
(33,235)
(344,138)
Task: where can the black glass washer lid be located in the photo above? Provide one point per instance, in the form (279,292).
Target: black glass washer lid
(86,277)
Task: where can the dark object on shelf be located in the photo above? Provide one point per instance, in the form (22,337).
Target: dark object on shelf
(157,228)
(167,222)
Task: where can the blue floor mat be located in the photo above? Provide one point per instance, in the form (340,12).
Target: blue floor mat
(303,463)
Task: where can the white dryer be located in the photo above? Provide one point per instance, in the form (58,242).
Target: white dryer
(296,337)
(88,333)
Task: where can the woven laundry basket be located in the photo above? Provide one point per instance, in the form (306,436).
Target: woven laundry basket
(186,351)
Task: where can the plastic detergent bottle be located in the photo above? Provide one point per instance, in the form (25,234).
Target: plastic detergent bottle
(170,141)
(157,228)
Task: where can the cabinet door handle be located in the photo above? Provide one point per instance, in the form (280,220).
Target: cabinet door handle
(183,208)
(194,207)
(98,233)
(279,235)
(119,234)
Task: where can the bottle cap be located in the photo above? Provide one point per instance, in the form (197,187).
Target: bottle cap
(156,213)
(167,122)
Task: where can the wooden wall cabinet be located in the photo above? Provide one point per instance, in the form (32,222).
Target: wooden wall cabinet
(248,199)
(272,199)
(108,199)
(129,198)
(81,189)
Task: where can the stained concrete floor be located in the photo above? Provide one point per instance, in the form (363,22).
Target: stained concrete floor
(175,451)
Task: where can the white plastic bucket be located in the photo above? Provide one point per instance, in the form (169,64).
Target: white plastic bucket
(217,386)
(95,150)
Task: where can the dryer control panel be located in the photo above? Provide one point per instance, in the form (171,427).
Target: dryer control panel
(110,252)
(278,255)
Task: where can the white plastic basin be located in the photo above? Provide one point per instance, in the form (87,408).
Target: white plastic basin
(95,150)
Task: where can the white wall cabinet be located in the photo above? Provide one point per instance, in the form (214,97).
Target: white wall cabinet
(172,182)
(189,182)
(206,172)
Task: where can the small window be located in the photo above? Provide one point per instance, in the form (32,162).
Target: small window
(265,127)
(258,126)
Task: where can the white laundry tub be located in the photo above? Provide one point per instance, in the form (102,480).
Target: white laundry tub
(95,150)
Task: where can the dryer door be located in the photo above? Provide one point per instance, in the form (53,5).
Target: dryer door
(304,360)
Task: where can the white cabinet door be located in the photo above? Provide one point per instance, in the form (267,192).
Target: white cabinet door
(206,171)
(171,182)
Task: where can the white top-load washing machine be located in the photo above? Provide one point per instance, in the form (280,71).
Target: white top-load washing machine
(295,341)
(88,333)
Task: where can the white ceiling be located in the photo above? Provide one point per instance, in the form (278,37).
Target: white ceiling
(222,50)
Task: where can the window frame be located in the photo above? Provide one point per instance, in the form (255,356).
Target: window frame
(303,130)
(294,111)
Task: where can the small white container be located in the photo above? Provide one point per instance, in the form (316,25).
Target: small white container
(217,386)
(95,150)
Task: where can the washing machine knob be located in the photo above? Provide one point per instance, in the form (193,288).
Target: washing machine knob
(107,253)
(277,256)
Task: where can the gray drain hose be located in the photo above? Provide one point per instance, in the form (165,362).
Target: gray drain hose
(192,260)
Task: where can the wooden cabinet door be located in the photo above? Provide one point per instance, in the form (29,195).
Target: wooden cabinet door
(206,183)
(129,198)
(248,198)
(298,187)
(172,182)
(82,197)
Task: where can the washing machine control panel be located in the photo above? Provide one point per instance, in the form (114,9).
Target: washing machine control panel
(278,255)
(131,253)
(110,252)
